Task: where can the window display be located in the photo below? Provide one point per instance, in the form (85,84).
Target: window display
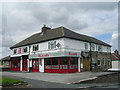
(73,63)
(15,64)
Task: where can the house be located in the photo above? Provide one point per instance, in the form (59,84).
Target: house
(115,61)
(60,50)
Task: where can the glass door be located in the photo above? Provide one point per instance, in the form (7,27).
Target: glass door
(64,64)
(24,65)
(35,65)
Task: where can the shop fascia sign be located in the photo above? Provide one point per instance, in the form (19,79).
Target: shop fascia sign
(85,54)
(55,54)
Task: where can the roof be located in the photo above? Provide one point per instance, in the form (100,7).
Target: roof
(57,33)
(6,58)
(115,57)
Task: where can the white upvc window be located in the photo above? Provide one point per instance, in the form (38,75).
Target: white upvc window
(25,49)
(108,49)
(52,45)
(14,51)
(35,47)
(100,48)
(92,47)
(86,46)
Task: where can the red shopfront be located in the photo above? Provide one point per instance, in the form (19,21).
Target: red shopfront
(61,65)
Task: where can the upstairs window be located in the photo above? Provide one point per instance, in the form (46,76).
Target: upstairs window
(52,45)
(100,48)
(35,47)
(15,51)
(25,49)
(92,47)
(86,46)
(108,49)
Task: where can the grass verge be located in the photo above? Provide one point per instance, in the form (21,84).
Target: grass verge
(8,81)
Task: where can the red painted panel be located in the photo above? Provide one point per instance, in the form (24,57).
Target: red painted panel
(61,70)
(15,69)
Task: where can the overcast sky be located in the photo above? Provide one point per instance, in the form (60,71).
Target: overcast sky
(22,19)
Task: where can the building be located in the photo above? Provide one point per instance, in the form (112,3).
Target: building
(5,63)
(60,50)
(115,61)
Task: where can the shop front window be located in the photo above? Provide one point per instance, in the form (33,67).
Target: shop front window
(47,64)
(64,64)
(15,64)
(73,63)
(61,63)
(55,64)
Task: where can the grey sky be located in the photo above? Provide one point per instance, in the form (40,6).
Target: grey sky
(22,19)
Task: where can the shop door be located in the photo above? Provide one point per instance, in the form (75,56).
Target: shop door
(24,65)
(35,65)
(86,64)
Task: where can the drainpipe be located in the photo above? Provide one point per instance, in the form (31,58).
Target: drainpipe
(29,69)
(90,58)
(110,59)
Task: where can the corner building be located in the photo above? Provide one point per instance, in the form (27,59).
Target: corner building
(60,50)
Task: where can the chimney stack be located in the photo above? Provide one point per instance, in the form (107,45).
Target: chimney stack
(116,52)
(44,29)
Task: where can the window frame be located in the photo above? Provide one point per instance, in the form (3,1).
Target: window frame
(35,47)
(86,46)
(24,49)
(92,47)
(100,48)
(99,62)
(73,65)
(52,45)
(14,51)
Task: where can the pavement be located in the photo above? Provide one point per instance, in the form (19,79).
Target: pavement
(68,78)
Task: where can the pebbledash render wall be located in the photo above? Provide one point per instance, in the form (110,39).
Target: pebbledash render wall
(65,45)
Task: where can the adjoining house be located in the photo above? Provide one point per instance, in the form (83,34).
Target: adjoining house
(115,61)
(60,50)
(5,63)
